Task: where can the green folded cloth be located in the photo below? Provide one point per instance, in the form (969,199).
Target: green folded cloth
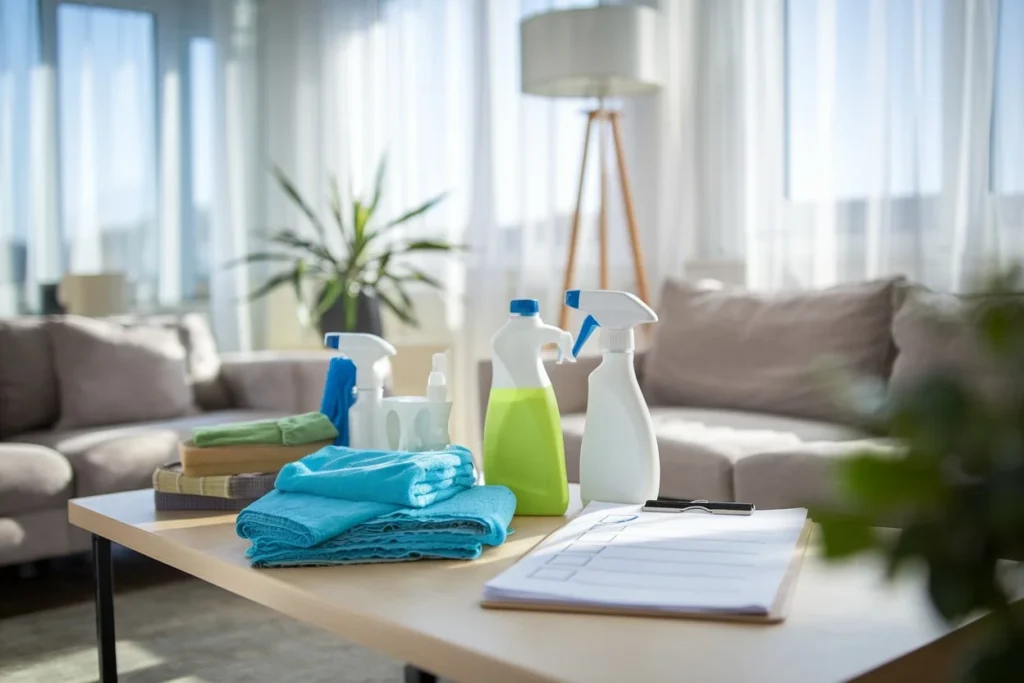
(294,430)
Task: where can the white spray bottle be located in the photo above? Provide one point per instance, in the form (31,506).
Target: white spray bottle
(365,350)
(619,461)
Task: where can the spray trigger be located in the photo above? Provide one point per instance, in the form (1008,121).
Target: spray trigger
(585,331)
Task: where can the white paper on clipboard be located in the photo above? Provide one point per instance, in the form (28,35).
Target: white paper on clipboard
(617,556)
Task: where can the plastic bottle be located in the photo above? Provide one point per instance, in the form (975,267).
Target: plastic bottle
(365,350)
(437,382)
(523,447)
(619,460)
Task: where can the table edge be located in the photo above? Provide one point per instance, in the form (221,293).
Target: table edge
(430,653)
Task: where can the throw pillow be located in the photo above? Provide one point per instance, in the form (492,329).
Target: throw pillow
(110,374)
(767,352)
(934,334)
(28,382)
(210,390)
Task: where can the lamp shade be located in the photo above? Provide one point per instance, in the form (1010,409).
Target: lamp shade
(607,51)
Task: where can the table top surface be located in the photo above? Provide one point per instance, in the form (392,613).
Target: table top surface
(844,620)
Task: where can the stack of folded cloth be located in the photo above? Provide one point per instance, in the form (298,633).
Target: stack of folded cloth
(174,490)
(346,506)
(260,446)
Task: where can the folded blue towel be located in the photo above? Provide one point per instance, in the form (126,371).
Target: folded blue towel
(339,395)
(288,529)
(394,477)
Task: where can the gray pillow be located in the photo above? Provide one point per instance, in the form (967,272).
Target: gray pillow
(768,352)
(110,374)
(934,334)
(28,382)
(210,390)
(209,387)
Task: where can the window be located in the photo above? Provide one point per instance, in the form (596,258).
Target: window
(195,273)
(1008,108)
(107,119)
(863,98)
(108,152)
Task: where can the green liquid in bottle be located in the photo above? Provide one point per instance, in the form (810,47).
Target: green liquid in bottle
(523,449)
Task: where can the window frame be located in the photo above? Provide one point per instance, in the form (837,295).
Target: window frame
(175,25)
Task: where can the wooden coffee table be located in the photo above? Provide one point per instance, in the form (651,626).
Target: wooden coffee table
(844,621)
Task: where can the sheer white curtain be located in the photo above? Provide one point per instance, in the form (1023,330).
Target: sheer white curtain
(435,84)
(29,246)
(848,139)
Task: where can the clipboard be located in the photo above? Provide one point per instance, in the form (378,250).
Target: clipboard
(777,613)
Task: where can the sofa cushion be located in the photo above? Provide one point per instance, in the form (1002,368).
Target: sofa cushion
(700,446)
(766,353)
(798,476)
(123,457)
(28,381)
(32,478)
(210,390)
(109,374)
(934,334)
(40,534)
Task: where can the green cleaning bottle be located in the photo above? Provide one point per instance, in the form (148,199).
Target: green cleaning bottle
(523,447)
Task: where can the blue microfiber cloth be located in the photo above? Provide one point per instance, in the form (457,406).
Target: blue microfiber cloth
(289,529)
(339,396)
(394,477)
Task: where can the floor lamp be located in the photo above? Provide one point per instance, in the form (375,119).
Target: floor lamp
(605,51)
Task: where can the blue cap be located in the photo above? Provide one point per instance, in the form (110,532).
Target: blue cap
(524,306)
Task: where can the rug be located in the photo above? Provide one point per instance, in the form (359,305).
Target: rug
(184,632)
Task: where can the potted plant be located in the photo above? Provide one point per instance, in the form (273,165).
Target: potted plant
(956,485)
(344,292)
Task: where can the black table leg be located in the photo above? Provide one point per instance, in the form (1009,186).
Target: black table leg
(103,573)
(414,675)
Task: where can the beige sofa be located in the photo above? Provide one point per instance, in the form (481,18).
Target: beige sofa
(42,467)
(739,385)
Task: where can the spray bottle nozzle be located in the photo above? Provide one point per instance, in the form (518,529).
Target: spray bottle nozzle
(611,310)
(585,331)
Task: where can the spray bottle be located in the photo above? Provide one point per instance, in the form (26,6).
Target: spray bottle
(619,461)
(523,446)
(365,350)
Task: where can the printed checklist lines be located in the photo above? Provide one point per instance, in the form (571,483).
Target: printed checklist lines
(618,556)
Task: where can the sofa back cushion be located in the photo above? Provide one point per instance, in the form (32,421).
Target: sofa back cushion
(765,353)
(934,334)
(28,381)
(210,390)
(111,374)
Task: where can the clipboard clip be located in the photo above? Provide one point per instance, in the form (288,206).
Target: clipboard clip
(679,505)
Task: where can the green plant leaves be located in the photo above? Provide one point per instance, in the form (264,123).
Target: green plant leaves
(360,269)
(271,284)
(844,534)
(404,313)
(431,245)
(884,482)
(289,189)
(329,296)
(378,183)
(335,202)
(419,210)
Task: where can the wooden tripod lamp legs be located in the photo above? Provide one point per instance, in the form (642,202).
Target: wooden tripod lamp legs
(627,200)
(570,265)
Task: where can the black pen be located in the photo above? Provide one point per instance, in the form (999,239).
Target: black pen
(697,505)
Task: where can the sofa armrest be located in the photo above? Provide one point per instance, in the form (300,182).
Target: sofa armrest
(569,380)
(283,382)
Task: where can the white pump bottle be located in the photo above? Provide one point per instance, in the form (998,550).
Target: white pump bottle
(619,460)
(365,350)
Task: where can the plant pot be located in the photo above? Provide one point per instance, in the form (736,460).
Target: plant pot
(367,317)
